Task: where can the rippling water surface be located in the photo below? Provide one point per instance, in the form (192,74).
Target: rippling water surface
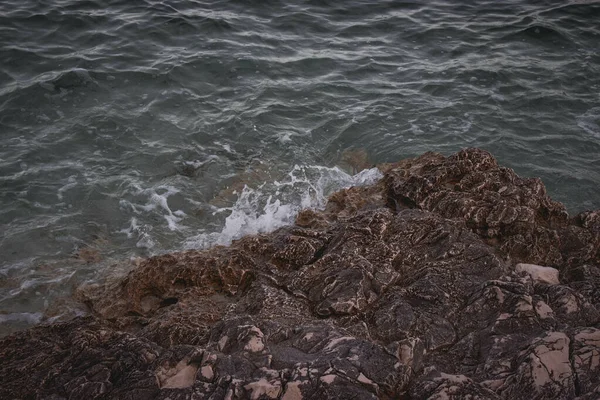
(129,128)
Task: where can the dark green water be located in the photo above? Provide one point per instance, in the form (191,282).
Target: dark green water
(124,123)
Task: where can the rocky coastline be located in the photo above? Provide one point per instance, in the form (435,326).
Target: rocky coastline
(451,278)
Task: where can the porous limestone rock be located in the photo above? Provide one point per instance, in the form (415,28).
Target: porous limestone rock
(406,289)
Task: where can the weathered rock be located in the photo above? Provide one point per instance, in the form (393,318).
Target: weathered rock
(451,278)
(586,359)
(514,214)
(539,274)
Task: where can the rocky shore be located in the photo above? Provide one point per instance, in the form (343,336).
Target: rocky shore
(451,278)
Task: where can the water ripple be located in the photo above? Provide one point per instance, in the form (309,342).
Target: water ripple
(105,108)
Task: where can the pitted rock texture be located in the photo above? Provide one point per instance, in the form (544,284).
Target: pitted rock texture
(451,278)
(512,213)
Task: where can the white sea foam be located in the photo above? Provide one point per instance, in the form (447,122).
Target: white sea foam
(590,121)
(71,184)
(285,136)
(154,200)
(276,204)
(139,232)
(225,147)
(259,208)
(196,164)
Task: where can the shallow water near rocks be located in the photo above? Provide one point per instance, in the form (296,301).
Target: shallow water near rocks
(135,128)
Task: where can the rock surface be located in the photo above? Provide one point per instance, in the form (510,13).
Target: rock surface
(452,278)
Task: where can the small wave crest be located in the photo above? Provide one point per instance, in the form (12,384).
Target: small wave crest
(273,205)
(150,204)
(590,122)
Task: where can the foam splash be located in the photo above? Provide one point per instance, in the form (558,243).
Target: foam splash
(141,232)
(152,201)
(276,204)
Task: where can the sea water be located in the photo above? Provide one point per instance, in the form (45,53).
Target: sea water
(133,128)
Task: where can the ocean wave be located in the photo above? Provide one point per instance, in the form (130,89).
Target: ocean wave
(273,205)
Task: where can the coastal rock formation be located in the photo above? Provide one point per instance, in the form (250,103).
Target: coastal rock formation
(451,278)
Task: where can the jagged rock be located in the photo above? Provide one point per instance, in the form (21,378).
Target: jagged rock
(514,214)
(451,278)
(586,359)
(440,386)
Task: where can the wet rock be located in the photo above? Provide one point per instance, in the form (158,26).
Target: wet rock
(355,159)
(451,278)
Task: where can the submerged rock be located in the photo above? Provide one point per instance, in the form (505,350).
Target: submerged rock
(451,278)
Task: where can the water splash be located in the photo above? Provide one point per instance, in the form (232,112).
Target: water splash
(273,205)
